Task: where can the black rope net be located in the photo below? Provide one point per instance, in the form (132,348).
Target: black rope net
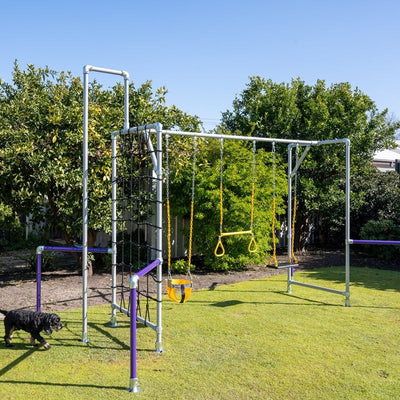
(136,219)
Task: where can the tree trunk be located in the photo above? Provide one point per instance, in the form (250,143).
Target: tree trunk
(91,241)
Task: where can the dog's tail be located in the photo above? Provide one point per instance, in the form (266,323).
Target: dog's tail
(4,312)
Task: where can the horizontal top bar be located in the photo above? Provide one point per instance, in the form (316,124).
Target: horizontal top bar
(88,68)
(40,249)
(238,137)
(152,128)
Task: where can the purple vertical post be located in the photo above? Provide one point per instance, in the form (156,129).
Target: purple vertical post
(38,280)
(133,333)
(133,383)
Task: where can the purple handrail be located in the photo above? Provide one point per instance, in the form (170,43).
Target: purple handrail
(39,251)
(383,242)
(133,386)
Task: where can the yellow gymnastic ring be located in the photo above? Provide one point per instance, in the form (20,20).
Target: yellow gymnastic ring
(219,249)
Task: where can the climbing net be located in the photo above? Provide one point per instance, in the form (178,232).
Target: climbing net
(135,219)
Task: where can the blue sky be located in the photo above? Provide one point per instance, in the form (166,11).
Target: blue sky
(205,51)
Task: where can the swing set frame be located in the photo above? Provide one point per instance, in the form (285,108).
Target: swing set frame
(156,158)
(292,171)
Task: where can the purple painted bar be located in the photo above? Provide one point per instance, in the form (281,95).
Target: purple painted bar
(133,342)
(384,242)
(147,269)
(39,251)
(133,334)
(77,249)
(38,281)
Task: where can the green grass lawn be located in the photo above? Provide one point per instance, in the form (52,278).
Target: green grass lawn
(249,340)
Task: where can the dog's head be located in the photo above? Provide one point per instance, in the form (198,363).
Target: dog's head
(53,321)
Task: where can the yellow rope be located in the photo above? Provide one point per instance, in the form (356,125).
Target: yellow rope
(219,249)
(184,285)
(273,258)
(169,235)
(293,259)
(252,248)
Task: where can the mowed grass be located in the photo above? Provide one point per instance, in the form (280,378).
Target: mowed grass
(249,340)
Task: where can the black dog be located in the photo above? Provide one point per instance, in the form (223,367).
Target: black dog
(31,322)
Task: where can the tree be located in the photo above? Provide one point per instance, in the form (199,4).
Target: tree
(300,111)
(41,144)
(379,199)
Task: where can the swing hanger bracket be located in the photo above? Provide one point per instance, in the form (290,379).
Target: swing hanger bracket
(300,160)
(134,281)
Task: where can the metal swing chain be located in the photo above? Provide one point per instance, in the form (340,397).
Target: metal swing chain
(252,248)
(252,187)
(293,258)
(221,210)
(173,284)
(167,172)
(124,145)
(219,249)
(192,206)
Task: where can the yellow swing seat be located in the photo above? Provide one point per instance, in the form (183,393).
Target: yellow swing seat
(183,285)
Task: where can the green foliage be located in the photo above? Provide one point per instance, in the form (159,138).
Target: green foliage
(47,261)
(181,267)
(8,218)
(318,112)
(381,230)
(41,144)
(375,194)
(237,182)
(11,229)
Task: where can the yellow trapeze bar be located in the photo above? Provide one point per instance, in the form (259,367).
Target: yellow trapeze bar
(220,249)
(235,233)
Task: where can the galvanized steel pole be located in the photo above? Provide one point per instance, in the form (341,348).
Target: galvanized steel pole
(85,211)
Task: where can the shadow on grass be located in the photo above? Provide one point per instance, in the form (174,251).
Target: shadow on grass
(303,300)
(370,278)
(227,303)
(76,385)
(20,359)
(107,334)
(233,302)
